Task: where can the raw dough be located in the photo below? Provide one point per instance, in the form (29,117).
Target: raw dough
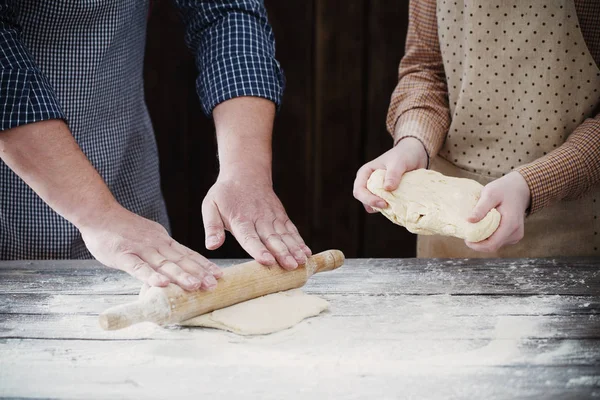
(429,203)
(267,314)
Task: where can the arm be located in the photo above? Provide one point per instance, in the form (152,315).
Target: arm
(240,84)
(568,172)
(419,105)
(418,116)
(37,145)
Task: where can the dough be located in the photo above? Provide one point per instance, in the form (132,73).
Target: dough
(429,203)
(267,314)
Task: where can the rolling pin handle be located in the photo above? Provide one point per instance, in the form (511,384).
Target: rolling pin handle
(328,260)
(125,315)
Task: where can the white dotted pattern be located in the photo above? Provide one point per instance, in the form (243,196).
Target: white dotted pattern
(520,80)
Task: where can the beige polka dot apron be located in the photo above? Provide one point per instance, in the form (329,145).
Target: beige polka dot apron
(520,80)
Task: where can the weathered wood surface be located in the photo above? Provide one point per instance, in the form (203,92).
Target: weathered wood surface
(422,329)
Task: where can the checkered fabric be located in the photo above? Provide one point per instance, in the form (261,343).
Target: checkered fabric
(82,61)
(419,108)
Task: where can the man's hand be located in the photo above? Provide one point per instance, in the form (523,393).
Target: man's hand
(510,195)
(409,154)
(47,158)
(143,248)
(248,208)
(242,200)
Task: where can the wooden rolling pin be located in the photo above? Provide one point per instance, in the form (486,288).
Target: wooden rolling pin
(239,283)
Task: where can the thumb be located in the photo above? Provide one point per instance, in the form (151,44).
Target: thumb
(393,175)
(213,225)
(487,201)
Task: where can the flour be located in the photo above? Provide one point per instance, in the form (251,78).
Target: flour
(593,381)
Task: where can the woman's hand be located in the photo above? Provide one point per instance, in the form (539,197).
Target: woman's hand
(409,154)
(511,197)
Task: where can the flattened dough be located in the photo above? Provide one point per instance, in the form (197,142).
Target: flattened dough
(429,203)
(267,314)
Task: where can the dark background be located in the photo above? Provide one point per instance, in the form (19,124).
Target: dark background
(340,58)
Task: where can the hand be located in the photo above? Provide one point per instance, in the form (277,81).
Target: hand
(247,207)
(409,154)
(511,197)
(144,249)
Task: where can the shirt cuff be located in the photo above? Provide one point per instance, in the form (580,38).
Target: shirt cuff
(553,176)
(26,96)
(242,75)
(418,124)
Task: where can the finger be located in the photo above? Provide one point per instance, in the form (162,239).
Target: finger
(291,228)
(290,241)
(208,265)
(275,244)
(393,175)
(502,236)
(369,209)
(213,225)
(246,235)
(181,278)
(361,193)
(190,266)
(488,200)
(140,270)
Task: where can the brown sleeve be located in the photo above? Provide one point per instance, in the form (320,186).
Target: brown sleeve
(419,104)
(569,171)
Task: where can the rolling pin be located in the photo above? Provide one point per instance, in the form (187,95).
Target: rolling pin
(172,304)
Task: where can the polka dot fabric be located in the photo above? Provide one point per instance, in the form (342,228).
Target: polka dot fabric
(520,80)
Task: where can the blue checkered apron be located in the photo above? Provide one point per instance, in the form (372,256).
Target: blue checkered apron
(92,53)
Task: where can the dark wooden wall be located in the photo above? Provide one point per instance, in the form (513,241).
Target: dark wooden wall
(340,58)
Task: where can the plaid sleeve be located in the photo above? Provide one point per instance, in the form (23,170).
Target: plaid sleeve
(25,93)
(234,49)
(567,172)
(419,105)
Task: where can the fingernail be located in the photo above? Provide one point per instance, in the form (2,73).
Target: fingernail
(216,271)
(290,261)
(212,240)
(268,258)
(210,281)
(381,204)
(300,257)
(194,281)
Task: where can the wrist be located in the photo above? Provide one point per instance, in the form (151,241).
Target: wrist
(521,188)
(95,215)
(246,172)
(414,146)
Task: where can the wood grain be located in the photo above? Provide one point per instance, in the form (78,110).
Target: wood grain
(425,329)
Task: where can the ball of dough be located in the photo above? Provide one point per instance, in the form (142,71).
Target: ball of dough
(429,203)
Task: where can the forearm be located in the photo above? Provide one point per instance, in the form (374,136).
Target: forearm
(45,155)
(419,105)
(244,128)
(568,172)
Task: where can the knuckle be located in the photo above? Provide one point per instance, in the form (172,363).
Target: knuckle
(212,227)
(249,238)
(162,262)
(179,259)
(273,237)
(139,266)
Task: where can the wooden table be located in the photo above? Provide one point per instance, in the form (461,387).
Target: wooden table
(407,329)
